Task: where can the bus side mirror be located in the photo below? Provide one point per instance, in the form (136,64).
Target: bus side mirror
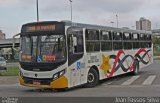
(74,41)
(74,44)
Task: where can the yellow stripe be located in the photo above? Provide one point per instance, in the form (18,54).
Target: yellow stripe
(62,82)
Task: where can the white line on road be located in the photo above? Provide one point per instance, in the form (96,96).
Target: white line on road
(123,86)
(149,80)
(130,81)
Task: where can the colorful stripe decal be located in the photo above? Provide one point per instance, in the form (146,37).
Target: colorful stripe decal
(119,63)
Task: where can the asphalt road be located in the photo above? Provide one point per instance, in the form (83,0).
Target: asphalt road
(146,84)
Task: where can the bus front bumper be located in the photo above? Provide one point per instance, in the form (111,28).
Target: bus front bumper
(61,82)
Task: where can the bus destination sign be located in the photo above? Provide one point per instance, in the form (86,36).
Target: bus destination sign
(54,27)
(41,28)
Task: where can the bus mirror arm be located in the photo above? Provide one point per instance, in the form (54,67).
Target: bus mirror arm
(74,44)
(13,44)
(74,41)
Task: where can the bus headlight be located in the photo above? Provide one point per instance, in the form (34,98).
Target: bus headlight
(59,74)
(55,76)
(62,72)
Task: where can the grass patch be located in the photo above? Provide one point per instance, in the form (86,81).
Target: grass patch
(11,71)
(156,53)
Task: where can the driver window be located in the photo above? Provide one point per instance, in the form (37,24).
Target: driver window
(75,44)
(75,41)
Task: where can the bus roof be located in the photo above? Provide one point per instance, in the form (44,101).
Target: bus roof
(90,26)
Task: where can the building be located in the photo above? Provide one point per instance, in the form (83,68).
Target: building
(2,35)
(143,24)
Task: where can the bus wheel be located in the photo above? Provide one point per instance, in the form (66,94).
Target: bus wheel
(136,68)
(61,89)
(92,78)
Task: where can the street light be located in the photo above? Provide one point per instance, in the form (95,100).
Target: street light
(112,23)
(71,8)
(117,20)
(37,11)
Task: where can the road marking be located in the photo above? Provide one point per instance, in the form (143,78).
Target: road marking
(130,81)
(149,80)
(17,84)
(123,86)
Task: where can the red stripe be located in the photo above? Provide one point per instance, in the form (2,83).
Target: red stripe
(115,62)
(118,56)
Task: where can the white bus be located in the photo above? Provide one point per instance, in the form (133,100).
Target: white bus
(66,54)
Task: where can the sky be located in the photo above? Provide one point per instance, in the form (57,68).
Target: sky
(15,13)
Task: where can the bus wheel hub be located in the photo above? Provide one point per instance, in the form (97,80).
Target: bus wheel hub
(90,77)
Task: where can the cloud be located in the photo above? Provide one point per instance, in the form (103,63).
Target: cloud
(100,12)
(6,3)
(120,6)
(90,10)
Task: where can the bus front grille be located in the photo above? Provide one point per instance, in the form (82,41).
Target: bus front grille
(42,81)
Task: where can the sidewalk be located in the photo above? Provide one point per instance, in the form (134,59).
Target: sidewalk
(8,80)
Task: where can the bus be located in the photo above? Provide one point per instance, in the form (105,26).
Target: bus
(64,54)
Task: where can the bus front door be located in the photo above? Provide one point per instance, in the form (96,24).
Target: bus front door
(75,54)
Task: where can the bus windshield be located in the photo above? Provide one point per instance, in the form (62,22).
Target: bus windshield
(45,48)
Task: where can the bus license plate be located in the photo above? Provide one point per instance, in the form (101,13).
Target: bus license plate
(36,83)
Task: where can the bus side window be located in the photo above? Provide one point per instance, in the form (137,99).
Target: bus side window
(136,43)
(127,44)
(92,40)
(106,40)
(117,40)
(76,41)
(149,41)
(75,44)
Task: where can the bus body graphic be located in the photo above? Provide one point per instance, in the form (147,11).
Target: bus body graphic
(106,66)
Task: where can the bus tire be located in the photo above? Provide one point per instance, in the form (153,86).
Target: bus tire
(92,78)
(136,68)
(61,89)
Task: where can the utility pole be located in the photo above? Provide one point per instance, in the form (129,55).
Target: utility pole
(117,20)
(71,8)
(37,11)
